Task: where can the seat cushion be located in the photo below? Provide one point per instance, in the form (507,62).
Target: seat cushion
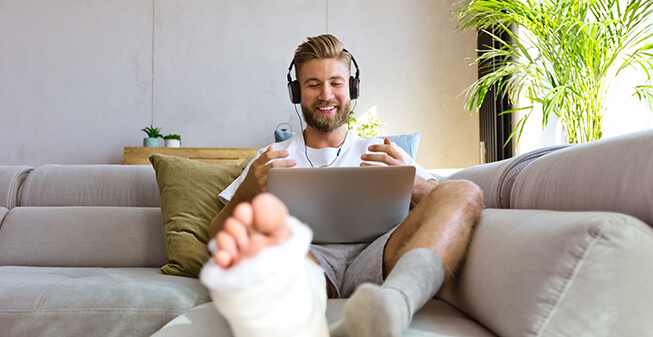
(40,301)
(435,319)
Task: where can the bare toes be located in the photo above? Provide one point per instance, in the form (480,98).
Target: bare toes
(257,242)
(223,259)
(227,249)
(244,213)
(270,215)
(238,231)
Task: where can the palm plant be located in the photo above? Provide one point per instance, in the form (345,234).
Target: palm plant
(564,58)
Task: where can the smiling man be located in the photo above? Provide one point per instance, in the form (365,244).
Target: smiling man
(325,94)
(265,276)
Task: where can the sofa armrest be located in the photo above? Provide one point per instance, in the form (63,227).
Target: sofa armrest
(496,179)
(612,174)
(3,212)
(553,273)
(11,179)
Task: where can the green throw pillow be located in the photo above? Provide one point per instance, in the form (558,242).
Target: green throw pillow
(189,201)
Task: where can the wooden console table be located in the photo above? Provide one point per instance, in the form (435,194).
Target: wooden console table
(211,155)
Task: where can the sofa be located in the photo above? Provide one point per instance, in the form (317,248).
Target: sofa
(563,248)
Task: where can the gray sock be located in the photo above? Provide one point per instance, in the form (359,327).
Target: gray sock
(388,310)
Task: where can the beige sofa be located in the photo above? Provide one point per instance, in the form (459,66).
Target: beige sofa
(564,248)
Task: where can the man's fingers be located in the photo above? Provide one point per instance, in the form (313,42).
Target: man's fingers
(384,153)
(385,148)
(282,163)
(270,154)
(377,157)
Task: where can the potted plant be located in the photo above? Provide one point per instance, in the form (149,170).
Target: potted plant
(172,140)
(564,57)
(367,125)
(153,135)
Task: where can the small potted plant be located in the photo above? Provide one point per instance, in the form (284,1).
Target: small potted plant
(172,140)
(153,135)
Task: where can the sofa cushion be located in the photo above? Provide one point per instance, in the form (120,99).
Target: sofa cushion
(189,201)
(11,179)
(552,273)
(90,185)
(82,237)
(81,302)
(435,319)
(497,179)
(614,174)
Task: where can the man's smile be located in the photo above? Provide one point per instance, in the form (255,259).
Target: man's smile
(327,109)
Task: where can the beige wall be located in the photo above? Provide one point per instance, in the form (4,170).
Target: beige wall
(79,78)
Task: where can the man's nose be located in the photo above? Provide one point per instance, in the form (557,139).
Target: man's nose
(326,93)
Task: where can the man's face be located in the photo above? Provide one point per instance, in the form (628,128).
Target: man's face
(324,86)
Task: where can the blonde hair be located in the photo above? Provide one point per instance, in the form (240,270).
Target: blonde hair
(321,47)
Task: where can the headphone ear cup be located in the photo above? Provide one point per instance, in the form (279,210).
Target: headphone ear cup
(293,91)
(354,87)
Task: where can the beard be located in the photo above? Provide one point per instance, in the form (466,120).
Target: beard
(324,123)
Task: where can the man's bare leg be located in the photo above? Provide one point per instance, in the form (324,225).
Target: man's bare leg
(259,276)
(425,250)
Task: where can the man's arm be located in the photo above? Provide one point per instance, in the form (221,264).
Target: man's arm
(255,182)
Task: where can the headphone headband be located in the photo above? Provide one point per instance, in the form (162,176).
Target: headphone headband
(294,89)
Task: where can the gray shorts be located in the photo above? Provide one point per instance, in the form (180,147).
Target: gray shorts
(350,264)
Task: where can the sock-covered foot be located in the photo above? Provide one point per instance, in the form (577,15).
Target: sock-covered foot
(388,310)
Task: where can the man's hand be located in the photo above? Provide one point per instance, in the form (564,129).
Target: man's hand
(386,153)
(256,181)
(383,153)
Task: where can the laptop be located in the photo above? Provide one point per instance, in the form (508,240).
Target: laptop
(345,204)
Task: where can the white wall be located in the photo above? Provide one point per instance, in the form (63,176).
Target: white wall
(80,78)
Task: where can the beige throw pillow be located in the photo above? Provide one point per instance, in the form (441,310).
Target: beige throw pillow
(189,201)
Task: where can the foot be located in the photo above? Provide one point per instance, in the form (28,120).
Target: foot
(251,228)
(376,311)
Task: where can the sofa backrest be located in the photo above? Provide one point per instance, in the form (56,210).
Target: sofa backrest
(85,216)
(614,174)
(82,237)
(90,185)
(11,178)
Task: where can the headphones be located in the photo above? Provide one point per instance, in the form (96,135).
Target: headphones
(354,83)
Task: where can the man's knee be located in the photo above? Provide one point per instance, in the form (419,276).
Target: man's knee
(464,192)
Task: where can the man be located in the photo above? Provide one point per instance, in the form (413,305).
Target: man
(260,256)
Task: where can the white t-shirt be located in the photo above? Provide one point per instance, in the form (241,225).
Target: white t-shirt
(350,155)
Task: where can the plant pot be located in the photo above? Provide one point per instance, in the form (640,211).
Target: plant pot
(173,143)
(151,142)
